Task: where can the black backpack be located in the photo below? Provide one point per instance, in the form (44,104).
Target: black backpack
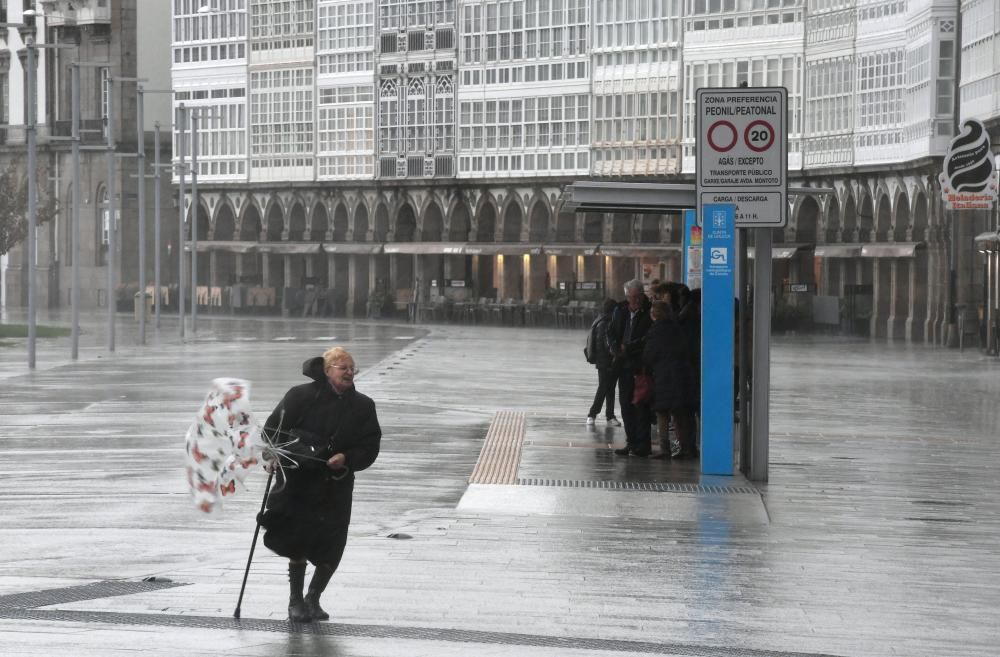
(590,351)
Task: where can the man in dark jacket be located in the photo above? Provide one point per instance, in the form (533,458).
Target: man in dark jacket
(336,434)
(626,339)
(607,373)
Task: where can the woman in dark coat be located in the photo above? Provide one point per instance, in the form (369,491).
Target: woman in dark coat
(308,514)
(666,358)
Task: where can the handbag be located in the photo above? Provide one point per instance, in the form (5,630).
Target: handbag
(642,390)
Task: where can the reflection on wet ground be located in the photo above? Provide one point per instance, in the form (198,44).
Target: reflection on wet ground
(879,529)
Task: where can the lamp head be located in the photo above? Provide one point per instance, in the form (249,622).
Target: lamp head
(27,28)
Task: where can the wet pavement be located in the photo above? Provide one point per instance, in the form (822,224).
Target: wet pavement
(876,535)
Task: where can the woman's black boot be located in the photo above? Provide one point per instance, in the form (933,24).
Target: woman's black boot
(298,612)
(317,585)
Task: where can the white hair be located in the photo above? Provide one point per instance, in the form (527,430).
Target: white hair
(634,284)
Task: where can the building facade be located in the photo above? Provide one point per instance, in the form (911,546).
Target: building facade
(102,37)
(408,144)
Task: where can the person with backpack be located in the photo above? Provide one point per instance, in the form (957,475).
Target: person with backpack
(607,373)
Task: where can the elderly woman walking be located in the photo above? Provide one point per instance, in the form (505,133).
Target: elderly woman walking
(337,434)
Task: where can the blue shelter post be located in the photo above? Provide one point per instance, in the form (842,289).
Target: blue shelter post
(719,260)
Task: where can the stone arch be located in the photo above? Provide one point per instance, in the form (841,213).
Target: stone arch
(806,220)
(274,221)
(883,217)
(203,226)
(297,223)
(225,222)
(512,222)
(901,217)
(341,223)
(865,215)
(486,221)
(381,222)
(251,225)
(458,226)
(433,223)
(224,230)
(920,218)
(538,224)
(319,227)
(406,223)
(361,223)
(593,227)
(850,219)
(833,224)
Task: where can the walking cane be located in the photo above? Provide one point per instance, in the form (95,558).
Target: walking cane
(263,503)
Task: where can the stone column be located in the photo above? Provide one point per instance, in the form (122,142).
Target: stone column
(352,284)
(213,268)
(881,289)
(919,293)
(899,302)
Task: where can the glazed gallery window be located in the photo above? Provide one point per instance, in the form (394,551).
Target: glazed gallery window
(277,24)
(396,14)
(881,78)
(346,128)
(281,117)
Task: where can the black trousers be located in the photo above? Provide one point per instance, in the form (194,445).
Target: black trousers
(635,418)
(606,380)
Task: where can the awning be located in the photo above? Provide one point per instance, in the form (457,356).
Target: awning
(288,248)
(838,250)
(890,250)
(222,245)
(570,249)
(448,248)
(641,251)
(501,248)
(780,251)
(988,242)
(353,247)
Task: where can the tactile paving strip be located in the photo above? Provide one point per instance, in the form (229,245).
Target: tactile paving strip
(92,591)
(651,487)
(397,633)
(501,453)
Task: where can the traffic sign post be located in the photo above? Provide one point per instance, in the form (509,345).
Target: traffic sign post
(742,161)
(742,153)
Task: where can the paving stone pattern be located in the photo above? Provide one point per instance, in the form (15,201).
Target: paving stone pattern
(879,533)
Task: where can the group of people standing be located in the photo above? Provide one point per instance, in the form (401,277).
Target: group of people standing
(650,345)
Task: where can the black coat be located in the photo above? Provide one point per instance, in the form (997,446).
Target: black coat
(667,357)
(631,360)
(308,513)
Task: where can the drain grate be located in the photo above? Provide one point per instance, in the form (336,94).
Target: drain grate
(92,591)
(394,632)
(645,486)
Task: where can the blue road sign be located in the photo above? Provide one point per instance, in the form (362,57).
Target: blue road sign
(717,338)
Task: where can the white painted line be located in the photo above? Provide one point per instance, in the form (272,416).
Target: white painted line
(286,338)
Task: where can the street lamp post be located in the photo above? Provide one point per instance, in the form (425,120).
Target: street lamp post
(181,117)
(27,32)
(29,43)
(156,221)
(141,199)
(112,237)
